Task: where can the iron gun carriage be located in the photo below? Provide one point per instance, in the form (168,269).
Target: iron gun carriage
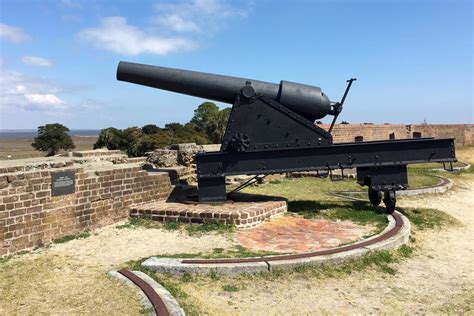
(271,130)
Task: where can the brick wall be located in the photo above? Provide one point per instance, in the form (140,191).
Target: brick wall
(31,217)
(463,133)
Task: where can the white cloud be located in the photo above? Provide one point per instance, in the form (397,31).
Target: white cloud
(196,15)
(18,91)
(44,99)
(192,19)
(114,34)
(14,34)
(36,61)
(177,23)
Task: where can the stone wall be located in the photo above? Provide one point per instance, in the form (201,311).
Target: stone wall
(31,217)
(342,133)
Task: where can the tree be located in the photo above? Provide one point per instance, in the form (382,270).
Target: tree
(150,129)
(185,134)
(204,115)
(131,136)
(110,138)
(52,138)
(216,128)
(151,142)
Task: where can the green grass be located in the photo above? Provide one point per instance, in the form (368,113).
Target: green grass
(230,288)
(172,225)
(216,227)
(427,170)
(134,222)
(421,179)
(67,238)
(191,229)
(362,213)
(429,218)
(5,259)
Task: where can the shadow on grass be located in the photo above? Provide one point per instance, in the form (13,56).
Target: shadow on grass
(303,206)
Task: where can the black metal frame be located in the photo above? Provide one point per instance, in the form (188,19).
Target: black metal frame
(265,137)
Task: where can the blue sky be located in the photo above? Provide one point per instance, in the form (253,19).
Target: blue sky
(413,59)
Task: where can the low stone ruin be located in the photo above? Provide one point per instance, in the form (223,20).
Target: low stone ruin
(179,160)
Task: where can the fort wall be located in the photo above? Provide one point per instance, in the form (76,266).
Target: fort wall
(342,133)
(103,193)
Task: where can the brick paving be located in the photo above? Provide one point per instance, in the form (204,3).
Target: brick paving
(290,234)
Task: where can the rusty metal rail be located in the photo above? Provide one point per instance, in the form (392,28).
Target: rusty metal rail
(158,304)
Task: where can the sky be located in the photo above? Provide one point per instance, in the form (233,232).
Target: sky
(413,59)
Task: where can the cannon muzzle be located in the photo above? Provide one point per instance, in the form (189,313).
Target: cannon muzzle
(308,101)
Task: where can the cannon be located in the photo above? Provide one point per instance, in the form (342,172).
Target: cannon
(271,130)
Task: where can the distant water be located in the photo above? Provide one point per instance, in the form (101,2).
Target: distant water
(32,133)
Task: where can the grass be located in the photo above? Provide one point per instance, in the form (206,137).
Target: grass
(191,229)
(216,227)
(67,238)
(230,288)
(429,218)
(359,212)
(5,259)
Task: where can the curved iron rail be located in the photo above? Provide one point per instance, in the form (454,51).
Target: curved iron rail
(158,304)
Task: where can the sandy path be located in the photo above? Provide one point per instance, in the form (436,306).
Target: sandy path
(438,278)
(71,278)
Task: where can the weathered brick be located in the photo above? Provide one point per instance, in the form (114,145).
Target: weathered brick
(10,199)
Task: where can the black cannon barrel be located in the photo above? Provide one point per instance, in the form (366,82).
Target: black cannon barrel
(308,101)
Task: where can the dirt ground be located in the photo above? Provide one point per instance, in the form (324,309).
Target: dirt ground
(71,278)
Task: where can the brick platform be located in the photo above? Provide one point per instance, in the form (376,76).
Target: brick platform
(291,234)
(247,211)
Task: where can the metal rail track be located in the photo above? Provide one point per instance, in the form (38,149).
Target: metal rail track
(158,304)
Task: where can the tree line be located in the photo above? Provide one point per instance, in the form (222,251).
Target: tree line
(207,126)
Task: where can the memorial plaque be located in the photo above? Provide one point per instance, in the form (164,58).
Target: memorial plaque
(63,182)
